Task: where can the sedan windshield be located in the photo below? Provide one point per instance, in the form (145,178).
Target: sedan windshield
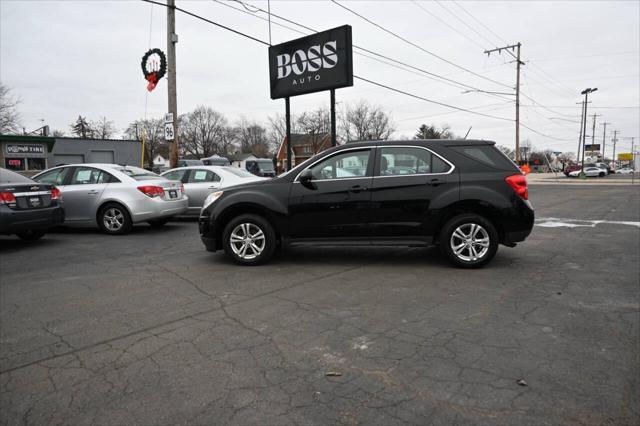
(239,172)
(138,173)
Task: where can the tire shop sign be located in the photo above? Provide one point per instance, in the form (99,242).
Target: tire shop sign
(314,63)
(24,149)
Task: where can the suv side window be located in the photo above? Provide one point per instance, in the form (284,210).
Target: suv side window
(398,161)
(200,176)
(175,174)
(54,177)
(347,164)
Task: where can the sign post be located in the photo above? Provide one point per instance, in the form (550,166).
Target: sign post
(318,62)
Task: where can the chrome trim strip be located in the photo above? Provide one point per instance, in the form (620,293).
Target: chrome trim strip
(31,194)
(453,167)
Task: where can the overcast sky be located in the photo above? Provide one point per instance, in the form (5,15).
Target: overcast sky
(65,58)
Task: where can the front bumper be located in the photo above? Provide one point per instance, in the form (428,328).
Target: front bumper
(15,221)
(152,208)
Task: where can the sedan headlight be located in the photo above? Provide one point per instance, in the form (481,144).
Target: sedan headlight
(211,198)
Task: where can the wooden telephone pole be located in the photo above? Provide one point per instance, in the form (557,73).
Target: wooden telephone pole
(518,64)
(172,39)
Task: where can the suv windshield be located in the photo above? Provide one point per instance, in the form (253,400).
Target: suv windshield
(266,165)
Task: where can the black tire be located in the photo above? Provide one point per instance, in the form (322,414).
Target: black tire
(111,213)
(463,223)
(158,223)
(31,235)
(253,223)
(601,174)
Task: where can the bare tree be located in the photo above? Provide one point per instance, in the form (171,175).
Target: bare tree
(506,151)
(363,121)
(316,124)
(153,132)
(252,138)
(278,130)
(57,133)
(201,131)
(9,115)
(102,129)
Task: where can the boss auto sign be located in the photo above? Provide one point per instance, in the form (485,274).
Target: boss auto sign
(321,61)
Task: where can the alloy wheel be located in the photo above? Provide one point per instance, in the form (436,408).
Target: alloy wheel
(247,241)
(113,219)
(470,242)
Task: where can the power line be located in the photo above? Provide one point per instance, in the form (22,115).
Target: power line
(355,76)
(445,23)
(465,24)
(434,76)
(479,22)
(420,47)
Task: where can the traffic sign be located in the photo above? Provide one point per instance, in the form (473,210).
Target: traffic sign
(168,131)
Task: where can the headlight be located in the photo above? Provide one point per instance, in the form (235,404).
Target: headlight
(211,198)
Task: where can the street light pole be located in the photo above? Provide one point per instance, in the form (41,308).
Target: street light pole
(585,92)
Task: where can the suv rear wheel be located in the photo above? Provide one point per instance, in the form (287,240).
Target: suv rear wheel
(469,240)
(249,239)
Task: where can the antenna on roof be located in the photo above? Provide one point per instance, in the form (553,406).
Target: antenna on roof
(465,136)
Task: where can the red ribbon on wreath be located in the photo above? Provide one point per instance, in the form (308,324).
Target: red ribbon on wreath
(154,76)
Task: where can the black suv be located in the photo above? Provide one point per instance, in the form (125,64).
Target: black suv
(463,195)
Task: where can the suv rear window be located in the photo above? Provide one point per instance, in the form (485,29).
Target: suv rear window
(486,154)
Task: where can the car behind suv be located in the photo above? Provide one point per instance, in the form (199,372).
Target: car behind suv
(465,196)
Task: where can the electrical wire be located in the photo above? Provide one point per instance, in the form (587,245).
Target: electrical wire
(463,22)
(355,76)
(419,47)
(445,80)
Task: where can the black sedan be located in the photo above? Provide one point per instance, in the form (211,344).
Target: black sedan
(28,208)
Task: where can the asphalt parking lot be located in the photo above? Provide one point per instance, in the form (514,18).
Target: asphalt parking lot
(150,329)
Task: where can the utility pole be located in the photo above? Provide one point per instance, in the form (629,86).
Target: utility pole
(172,39)
(593,131)
(604,135)
(519,63)
(614,140)
(580,137)
(585,92)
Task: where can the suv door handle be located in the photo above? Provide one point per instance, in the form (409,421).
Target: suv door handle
(357,188)
(92,192)
(436,182)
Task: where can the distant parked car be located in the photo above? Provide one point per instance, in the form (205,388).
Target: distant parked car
(200,181)
(624,171)
(261,167)
(114,197)
(571,168)
(216,160)
(589,172)
(186,163)
(28,208)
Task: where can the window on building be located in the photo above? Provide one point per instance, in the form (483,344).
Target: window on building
(14,164)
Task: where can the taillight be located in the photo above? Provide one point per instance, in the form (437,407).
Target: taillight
(7,198)
(519,185)
(151,191)
(55,193)
(182,188)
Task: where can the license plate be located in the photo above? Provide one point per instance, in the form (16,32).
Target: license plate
(173,194)
(34,201)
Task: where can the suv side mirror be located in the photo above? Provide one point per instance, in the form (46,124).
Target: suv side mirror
(306,176)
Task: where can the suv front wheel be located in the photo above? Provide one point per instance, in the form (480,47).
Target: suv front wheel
(249,239)
(469,240)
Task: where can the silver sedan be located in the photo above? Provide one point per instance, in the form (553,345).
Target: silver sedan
(200,181)
(114,197)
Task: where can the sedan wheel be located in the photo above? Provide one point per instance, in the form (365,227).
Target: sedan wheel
(114,219)
(249,239)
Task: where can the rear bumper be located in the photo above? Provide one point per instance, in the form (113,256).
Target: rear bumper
(518,225)
(15,221)
(151,208)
